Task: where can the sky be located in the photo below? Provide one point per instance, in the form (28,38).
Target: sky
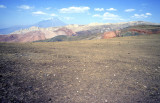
(25,12)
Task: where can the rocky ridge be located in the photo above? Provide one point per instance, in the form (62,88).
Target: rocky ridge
(90,31)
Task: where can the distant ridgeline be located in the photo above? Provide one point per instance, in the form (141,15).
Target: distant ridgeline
(43,24)
(82,32)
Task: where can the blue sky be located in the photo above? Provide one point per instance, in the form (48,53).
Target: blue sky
(23,12)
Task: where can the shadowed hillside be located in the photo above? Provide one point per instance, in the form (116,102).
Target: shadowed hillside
(118,70)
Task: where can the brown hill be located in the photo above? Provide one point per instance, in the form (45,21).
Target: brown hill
(35,35)
(27,37)
(65,31)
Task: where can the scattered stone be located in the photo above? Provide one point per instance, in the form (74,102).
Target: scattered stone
(106,66)
(54,75)
(106,100)
(50,99)
(30,87)
(77,78)
(114,75)
(158,67)
(145,86)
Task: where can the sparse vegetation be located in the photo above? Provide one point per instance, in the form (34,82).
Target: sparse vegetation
(119,70)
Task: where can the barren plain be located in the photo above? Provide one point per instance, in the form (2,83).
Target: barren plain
(117,70)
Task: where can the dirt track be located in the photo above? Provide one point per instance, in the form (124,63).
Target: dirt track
(119,70)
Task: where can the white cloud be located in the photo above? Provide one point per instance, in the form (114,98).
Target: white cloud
(39,13)
(98,9)
(48,8)
(74,10)
(149,14)
(26,7)
(129,10)
(97,15)
(53,14)
(2,6)
(108,16)
(111,9)
(141,15)
(68,18)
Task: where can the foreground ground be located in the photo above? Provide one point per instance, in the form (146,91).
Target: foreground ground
(119,70)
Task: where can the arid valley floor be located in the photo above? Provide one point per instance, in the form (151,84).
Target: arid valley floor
(117,70)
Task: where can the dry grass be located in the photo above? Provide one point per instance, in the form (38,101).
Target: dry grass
(119,70)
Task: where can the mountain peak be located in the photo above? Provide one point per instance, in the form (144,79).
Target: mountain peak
(50,23)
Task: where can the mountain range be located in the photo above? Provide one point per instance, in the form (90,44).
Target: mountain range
(54,22)
(81,32)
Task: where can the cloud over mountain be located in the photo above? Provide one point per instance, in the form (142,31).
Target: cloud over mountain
(108,16)
(138,16)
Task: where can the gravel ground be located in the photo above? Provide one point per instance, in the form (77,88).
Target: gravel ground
(118,70)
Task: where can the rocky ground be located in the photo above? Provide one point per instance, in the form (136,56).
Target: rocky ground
(118,70)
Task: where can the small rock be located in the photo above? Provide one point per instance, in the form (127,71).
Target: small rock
(158,67)
(114,75)
(30,87)
(77,78)
(50,99)
(106,100)
(106,66)
(145,86)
